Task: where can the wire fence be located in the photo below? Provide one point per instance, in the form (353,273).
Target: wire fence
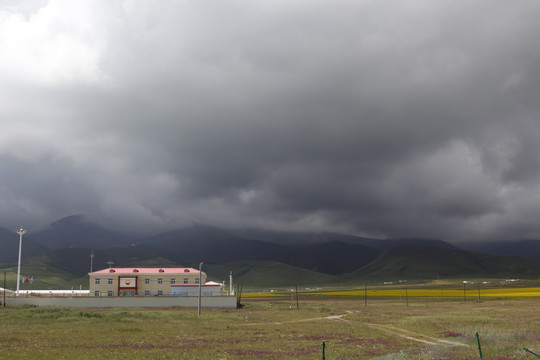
(466,291)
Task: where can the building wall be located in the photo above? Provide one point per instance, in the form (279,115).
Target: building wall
(194,291)
(126,301)
(146,284)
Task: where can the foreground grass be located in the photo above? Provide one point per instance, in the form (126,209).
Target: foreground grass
(275,329)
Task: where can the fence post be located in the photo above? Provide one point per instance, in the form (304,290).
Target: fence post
(4,292)
(479,347)
(297,307)
(323,346)
(365,294)
(406,295)
(529,351)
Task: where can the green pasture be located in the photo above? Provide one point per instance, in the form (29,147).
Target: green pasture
(277,329)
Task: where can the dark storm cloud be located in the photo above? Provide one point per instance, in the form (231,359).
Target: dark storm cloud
(387,118)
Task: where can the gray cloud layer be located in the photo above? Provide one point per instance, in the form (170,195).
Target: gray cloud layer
(385,118)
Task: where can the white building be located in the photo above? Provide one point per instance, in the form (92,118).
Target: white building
(151,282)
(209,289)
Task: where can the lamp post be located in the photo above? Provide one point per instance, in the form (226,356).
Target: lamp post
(21,232)
(200,288)
(91,261)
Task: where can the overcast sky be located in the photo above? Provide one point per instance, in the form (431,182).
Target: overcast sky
(384,118)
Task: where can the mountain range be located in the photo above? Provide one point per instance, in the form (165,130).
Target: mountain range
(66,244)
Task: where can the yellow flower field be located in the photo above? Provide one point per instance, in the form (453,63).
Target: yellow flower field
(470,292)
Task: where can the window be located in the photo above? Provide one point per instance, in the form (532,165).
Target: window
(160,292)
(173,281)
(186,281)
(146,292)
(109,281)
(98,281)
(109,293)
(96,293)
(196,280)
(146,281)
(160,281)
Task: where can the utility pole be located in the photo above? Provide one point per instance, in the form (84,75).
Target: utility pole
(297,307)
(200,288)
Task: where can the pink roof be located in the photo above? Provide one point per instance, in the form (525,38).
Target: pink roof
(135,271)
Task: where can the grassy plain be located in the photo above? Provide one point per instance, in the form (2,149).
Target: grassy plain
(436,290)
(273,328)
(471,294)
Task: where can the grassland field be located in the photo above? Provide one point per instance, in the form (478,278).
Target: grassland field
(273,327)
(470,294)
(445,290)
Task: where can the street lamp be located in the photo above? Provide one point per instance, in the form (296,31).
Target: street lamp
(21,232)
(200,288)
(91,261)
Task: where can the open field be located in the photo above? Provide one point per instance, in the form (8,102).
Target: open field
(276,329)
(434,290)
(471,294)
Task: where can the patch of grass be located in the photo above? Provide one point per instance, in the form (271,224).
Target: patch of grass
(275,329)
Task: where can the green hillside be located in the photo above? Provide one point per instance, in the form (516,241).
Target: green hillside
(45,276)
(432,263)
(68,268)
(266,274)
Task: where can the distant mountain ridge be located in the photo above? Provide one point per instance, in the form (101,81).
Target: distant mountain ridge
(217,246)
(332,256)
(280,237)
(430,262)
(9,245)
(527,249)
(77,231)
